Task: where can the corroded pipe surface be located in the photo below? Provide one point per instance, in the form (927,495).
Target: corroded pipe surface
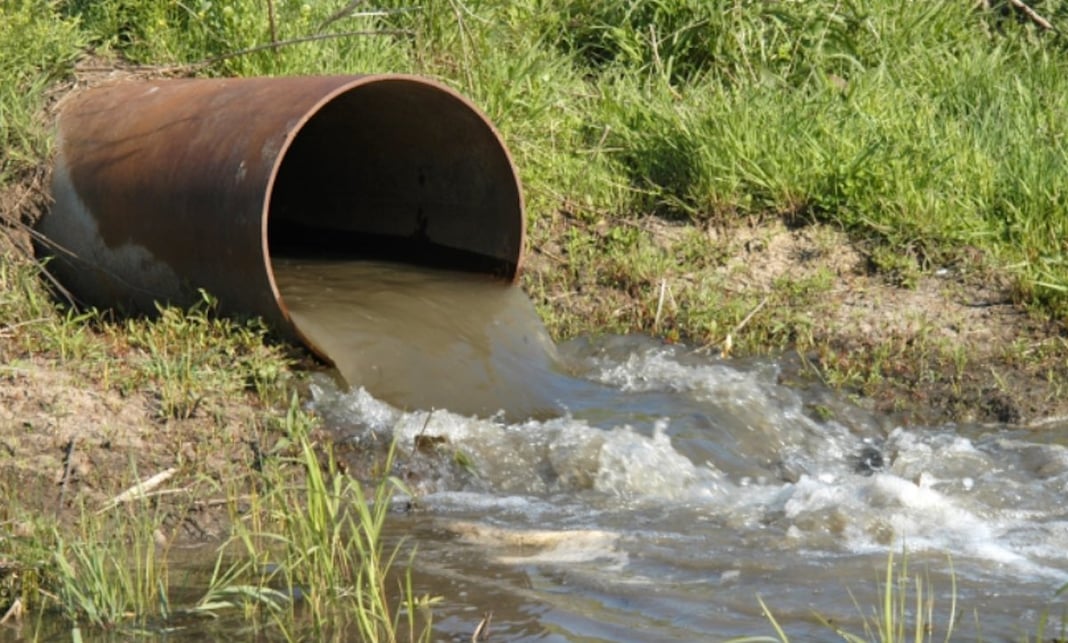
(166,187)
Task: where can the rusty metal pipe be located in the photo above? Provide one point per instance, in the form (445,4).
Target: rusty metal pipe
(165,187)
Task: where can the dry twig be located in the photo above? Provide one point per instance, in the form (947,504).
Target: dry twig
(481,632)
(68,468)
(141,489)
(14,612)
(1032,15)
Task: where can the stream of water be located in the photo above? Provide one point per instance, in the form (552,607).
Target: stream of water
(619,489)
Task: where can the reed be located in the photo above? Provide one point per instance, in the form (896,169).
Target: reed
(112,573)
(321,535)
(905,613)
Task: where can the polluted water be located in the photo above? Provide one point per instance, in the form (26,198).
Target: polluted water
(617,488)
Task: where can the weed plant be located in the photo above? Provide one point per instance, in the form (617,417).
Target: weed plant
(113,572)
(895,620)
(323,540)
(907,612)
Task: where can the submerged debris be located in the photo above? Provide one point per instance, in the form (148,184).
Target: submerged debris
(869,460)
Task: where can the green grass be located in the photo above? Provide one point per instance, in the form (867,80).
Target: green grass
(924,129)
(907,612)
(112,572)
(187,361)
(179,355)
(307,551)
(323,537)
(36,50)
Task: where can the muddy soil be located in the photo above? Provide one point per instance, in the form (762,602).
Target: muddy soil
(954,345)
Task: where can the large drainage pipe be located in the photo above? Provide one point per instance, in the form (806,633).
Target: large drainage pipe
(162,188)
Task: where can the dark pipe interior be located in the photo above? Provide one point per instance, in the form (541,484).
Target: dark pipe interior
(398,170)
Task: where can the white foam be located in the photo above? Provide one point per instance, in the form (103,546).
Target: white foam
(939,491)
(539,457)
(633,465)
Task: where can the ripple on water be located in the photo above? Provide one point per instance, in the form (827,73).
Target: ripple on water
(633,490)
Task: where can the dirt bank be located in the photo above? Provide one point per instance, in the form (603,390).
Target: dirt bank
(935,345)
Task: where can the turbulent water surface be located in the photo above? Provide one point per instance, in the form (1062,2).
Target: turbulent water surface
(616,489)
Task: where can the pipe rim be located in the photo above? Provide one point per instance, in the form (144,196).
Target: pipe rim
(353,84)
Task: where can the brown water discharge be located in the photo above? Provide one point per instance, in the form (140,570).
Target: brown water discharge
(420,338)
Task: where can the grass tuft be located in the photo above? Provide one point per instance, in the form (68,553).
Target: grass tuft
(322,537)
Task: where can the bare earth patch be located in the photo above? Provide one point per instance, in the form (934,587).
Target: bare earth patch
(68,444)
(949,320)
(864,308)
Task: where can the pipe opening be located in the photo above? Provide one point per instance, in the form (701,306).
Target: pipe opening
(399,169)
(166,187)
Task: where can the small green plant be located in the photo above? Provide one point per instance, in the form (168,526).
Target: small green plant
(113,572)
(192,356)
(36,49)
(906,611)
(310,546)
(324,541)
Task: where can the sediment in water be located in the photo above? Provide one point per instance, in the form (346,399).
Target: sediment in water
(423,338)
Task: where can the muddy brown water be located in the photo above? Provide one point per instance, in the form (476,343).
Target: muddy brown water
(618,489)
(421,338)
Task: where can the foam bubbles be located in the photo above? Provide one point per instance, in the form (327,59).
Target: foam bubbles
(695,467)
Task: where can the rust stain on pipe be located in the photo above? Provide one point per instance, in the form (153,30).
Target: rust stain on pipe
(165,187)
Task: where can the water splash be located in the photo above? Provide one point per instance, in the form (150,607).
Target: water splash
(654,481)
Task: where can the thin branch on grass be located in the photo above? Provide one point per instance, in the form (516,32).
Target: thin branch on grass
(8,330)
(728,341)
(276,44)
(1032,15)
(141,489)
(211,503)
(344,12)
(14,612)
(742,324)
(665,291)
(10,223)
(273,26)
(347,12)
(660,305)
(68,468)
